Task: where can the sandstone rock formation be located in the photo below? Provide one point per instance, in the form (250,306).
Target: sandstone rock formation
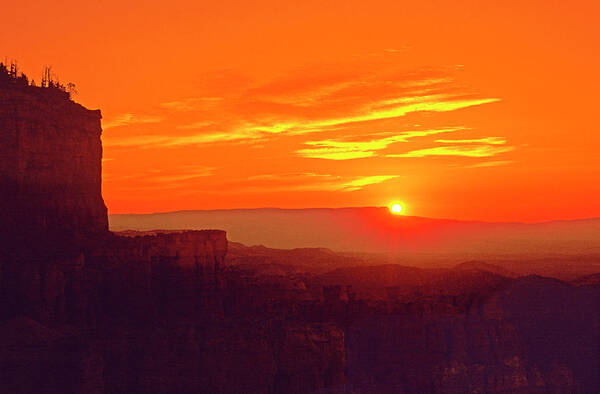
(50,164)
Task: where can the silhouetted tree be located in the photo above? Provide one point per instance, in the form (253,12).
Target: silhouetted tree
(47,77)
(4,77)
(13,70)
(22,80)
(9,73)
(71,89)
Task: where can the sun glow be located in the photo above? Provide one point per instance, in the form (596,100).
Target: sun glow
(396,208)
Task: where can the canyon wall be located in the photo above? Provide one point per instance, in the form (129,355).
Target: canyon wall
(59,262)
(50,164)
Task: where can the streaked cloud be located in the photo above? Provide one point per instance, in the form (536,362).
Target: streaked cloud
(184,175)
(192,104)
(288,176)
(307,103)
(129,119)
(335,153)
(359,183)
(153,178)
(310,97)
(486,140)
(480,147)
(333,116)
(307,182)
(375,111)
(154,141)
(490,164)
(345,150)
(210,138)
(457,150)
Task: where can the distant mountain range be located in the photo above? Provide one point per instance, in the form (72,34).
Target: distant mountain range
(376,230)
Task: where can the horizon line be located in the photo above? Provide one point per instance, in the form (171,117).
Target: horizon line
(356,207)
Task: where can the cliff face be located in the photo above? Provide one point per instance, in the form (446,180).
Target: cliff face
(60,263)
(136,279)
(50,164)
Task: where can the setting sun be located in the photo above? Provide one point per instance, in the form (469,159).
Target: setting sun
(396,208)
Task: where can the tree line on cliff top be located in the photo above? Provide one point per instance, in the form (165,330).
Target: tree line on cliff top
(9,74)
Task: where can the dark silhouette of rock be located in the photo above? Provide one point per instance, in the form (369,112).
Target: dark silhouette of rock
(50,165)
(36,359)
(483,266)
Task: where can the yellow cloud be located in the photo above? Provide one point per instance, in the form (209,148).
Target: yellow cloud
(283,111)
(457,150)
(486,140)
(385,109)
(210,137)
(307,182)
(359,183)
(334,154)
(345,150)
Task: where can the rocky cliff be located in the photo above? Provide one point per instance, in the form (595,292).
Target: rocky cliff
(50,164)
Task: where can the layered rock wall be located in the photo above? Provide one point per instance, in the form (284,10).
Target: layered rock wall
(50,164)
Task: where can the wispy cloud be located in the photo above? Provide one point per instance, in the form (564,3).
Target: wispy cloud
(307,182)
(359,183)
(129,119)
(154,141)
(386,109)
(183,175)
(345,150)
(192,104)
(310,102)
(486,140)
(480,147)
(457,150)
(490,164)
(153,178)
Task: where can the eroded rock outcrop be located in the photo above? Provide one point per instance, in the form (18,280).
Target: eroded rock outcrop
(50,164)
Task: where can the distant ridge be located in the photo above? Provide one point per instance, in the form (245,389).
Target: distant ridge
(384,209)
(376,230)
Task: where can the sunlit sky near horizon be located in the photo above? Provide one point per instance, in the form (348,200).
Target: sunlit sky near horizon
(459,109)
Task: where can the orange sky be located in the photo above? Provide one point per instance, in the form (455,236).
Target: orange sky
(460,109)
